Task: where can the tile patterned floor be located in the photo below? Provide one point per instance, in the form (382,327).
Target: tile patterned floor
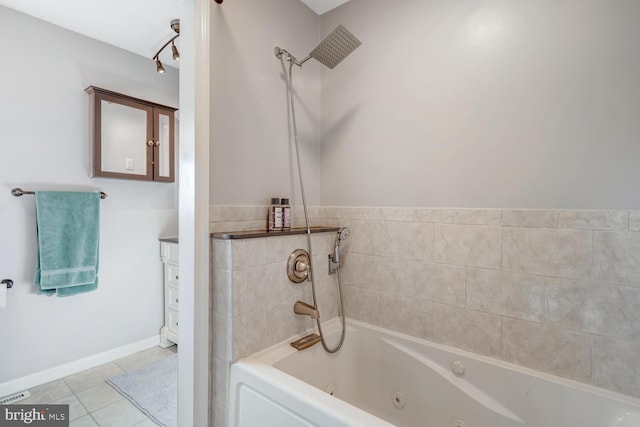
(94,403)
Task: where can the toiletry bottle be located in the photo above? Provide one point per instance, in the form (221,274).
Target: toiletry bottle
(278,225)
(275,215)
(286,215)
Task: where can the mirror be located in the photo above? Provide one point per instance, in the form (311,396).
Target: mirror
(130,138)
(122,128)
(165,150)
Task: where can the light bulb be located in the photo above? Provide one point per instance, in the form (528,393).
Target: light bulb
(159,68)
(174,49)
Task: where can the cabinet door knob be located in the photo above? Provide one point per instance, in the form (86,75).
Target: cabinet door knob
(177,300)
(157,143)
(150,143)
(176,277)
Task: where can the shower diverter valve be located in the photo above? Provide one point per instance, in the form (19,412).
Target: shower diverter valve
(298,266)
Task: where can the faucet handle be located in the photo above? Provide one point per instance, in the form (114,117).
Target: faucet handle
(302,267)
(299,266)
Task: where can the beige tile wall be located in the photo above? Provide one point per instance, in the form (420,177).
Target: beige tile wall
(253,298)
(553,290)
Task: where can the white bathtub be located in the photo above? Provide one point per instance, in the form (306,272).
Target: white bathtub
(382,378)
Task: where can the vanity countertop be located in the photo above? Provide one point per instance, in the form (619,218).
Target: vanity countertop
(169,239)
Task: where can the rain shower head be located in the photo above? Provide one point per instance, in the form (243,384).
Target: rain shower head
(335,47)
(330,52)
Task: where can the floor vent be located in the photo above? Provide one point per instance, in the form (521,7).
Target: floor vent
(14,398)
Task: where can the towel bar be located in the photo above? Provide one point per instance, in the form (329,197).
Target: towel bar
(19,192)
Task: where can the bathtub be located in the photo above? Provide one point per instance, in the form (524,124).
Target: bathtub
(383,378)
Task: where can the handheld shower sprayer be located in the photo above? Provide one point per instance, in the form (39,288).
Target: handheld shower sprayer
(343,234)
(334,259)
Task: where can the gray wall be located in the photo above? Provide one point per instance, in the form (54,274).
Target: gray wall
(484,104)
(44,134)
(251,153)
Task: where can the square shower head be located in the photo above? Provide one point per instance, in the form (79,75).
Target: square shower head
(335,47)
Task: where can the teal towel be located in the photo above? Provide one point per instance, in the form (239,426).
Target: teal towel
(68,241)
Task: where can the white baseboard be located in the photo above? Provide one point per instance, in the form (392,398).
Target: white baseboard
(61,371)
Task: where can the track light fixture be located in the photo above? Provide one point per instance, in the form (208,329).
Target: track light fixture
(175,26)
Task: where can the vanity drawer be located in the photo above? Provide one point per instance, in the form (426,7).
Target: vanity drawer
(172,298)
(173,320)
(169,252)
(171,275)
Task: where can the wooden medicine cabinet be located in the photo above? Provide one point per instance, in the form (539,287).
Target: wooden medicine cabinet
(130,138)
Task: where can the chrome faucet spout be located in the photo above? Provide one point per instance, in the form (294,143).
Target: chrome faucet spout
(305,309)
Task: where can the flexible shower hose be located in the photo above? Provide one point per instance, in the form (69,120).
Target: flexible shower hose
(306,219)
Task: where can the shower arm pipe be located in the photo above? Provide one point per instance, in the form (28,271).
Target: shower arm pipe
(165,45)
(299,64)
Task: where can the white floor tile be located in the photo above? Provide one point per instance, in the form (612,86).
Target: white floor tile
(47,393)
(92,377)
(147,423)
(85,421)
(94,403)
(143,358)
(98,396)
(76,410)
(119,414)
